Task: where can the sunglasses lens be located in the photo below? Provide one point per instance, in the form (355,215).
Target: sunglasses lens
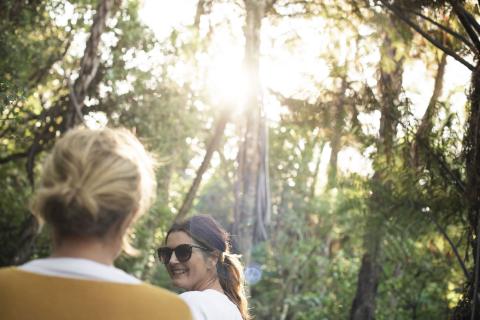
(164,254)
(183,252)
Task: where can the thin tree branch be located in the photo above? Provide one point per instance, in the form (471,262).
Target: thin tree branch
(460,12)
(269,5)
(73,100)
(13,157)
(452,245)
(211,148)
(203,7)
(432,40)
(446,29)
(471,19)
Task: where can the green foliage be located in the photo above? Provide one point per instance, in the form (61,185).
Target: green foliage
(15,194)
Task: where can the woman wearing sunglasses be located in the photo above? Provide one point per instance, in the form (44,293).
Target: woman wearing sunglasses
(94,184)
(198,259)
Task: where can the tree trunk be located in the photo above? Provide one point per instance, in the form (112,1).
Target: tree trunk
(211,148)
(89,63)
(314,178)
(472,151)
(426,126)
(363,306)
(390,84)
(252,194)
(336,135)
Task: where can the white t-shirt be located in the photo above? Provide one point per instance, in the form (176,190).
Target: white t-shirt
(211,305)
(77,268)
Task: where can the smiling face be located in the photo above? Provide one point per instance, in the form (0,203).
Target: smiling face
(198,273)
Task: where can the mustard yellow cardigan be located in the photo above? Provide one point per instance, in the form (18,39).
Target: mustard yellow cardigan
(25,295)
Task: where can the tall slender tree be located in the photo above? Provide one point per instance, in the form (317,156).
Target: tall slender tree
(252,190)
(390,86)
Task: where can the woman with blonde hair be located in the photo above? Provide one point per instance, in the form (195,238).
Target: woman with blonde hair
(95,183)
(198,259)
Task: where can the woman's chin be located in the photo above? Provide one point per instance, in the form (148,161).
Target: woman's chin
(180,283)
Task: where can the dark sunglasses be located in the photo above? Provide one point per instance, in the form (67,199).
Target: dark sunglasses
(183,252)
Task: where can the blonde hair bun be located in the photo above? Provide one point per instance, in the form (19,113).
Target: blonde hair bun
(93,180)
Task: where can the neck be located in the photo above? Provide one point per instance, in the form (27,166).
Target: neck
(94,249)
(211,283)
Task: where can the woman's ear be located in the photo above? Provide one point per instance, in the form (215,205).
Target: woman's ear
(212,260)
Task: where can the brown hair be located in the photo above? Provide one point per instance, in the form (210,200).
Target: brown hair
(92,181)
(208,232)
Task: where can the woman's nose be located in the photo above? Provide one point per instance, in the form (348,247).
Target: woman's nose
(173,258)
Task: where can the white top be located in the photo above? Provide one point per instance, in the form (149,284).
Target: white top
(77,268)
(211,305)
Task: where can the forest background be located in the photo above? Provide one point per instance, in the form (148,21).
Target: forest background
(337,140)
